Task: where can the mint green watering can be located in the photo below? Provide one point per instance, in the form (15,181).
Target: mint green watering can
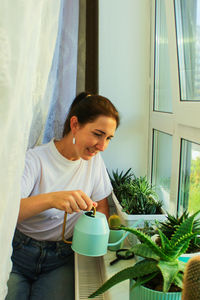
(91,234)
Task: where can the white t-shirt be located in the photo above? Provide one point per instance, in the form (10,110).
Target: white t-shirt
(46,170)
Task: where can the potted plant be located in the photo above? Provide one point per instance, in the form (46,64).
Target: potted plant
(169,226)
(159,275)
(116,234)
(135,199)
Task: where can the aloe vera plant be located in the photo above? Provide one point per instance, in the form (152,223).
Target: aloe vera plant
(158,260)
(169,226)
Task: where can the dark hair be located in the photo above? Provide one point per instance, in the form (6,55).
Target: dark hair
(88,107)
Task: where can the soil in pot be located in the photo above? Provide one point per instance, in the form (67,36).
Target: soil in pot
(157,284)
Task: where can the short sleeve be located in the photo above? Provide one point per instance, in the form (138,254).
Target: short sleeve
(31,174)
(102,185)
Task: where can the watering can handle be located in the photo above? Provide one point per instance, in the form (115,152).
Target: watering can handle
(63,230)
(64,226)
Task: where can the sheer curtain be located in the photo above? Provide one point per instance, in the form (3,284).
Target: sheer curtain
(64,70)
(30,31)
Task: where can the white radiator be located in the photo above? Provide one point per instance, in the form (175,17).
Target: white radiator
(89,275)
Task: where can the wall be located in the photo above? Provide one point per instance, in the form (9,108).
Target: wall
(124,61)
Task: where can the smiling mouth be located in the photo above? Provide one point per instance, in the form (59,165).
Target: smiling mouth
(92,153)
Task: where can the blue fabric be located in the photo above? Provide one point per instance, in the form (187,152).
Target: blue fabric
(41,270)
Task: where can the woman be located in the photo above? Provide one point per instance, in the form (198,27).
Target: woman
(66,175)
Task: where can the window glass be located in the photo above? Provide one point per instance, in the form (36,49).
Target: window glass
(189,187)
(161,169)
(188,42)
(162,85)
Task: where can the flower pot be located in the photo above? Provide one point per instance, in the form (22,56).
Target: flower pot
(129,220)
(143,293)
(185,257)
(114,236)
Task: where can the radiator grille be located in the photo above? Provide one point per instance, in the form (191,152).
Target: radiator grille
(88,277)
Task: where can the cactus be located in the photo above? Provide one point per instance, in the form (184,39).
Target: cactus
(114,222)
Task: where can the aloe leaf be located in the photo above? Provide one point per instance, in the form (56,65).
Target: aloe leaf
(169,271)
(181,245)
(178,280)
(184,228)
(147,240)
(140,269)
(144,279)
(144,251)
(164,240)
(181,265)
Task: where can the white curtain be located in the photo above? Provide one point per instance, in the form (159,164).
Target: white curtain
(29,31)
(64,70)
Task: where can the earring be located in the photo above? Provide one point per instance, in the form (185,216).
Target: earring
(73,140)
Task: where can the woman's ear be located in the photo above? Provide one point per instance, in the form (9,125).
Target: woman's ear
(74,125)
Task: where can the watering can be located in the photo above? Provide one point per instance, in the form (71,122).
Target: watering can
(91,234)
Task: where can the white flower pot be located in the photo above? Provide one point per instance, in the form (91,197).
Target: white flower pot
(135,220)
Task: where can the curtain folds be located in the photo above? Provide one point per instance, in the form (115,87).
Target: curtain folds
(64,71)
(32,88)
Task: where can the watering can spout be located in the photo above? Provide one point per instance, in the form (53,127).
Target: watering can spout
(125,235)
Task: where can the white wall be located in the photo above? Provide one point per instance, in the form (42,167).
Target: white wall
(124,54)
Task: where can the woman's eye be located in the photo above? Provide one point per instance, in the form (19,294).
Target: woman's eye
(96,134)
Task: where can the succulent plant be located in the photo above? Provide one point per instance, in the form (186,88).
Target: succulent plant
(117,179)
(114,222)
(135,194)
(159,261)
(169,226)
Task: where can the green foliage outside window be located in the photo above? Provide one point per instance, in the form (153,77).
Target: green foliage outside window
(194,190)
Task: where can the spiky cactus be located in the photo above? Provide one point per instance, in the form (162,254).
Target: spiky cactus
(158,260)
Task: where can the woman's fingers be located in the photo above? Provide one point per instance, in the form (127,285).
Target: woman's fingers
(73,201)
(88,202)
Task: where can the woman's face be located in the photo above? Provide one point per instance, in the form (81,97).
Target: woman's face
(93,137)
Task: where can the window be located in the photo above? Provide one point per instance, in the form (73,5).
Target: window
(188,41)
(162,160)
(189,191)
(162,89)
(174,128)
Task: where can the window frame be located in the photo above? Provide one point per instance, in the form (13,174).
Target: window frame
(183,122)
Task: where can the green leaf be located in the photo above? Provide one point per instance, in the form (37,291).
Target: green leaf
(144,251)
(181,245)
(148,241)
(164,240)
(181,265)
(140,269)
(169,271)
(184,228)
(144,279)
(178,280)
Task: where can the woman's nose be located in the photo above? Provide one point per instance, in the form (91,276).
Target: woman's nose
(101,146)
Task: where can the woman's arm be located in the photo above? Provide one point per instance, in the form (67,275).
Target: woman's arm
(102,206)
(69,201)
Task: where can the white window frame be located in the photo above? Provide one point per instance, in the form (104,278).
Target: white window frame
(184,121)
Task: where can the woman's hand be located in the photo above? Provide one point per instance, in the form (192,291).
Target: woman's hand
(71,201)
